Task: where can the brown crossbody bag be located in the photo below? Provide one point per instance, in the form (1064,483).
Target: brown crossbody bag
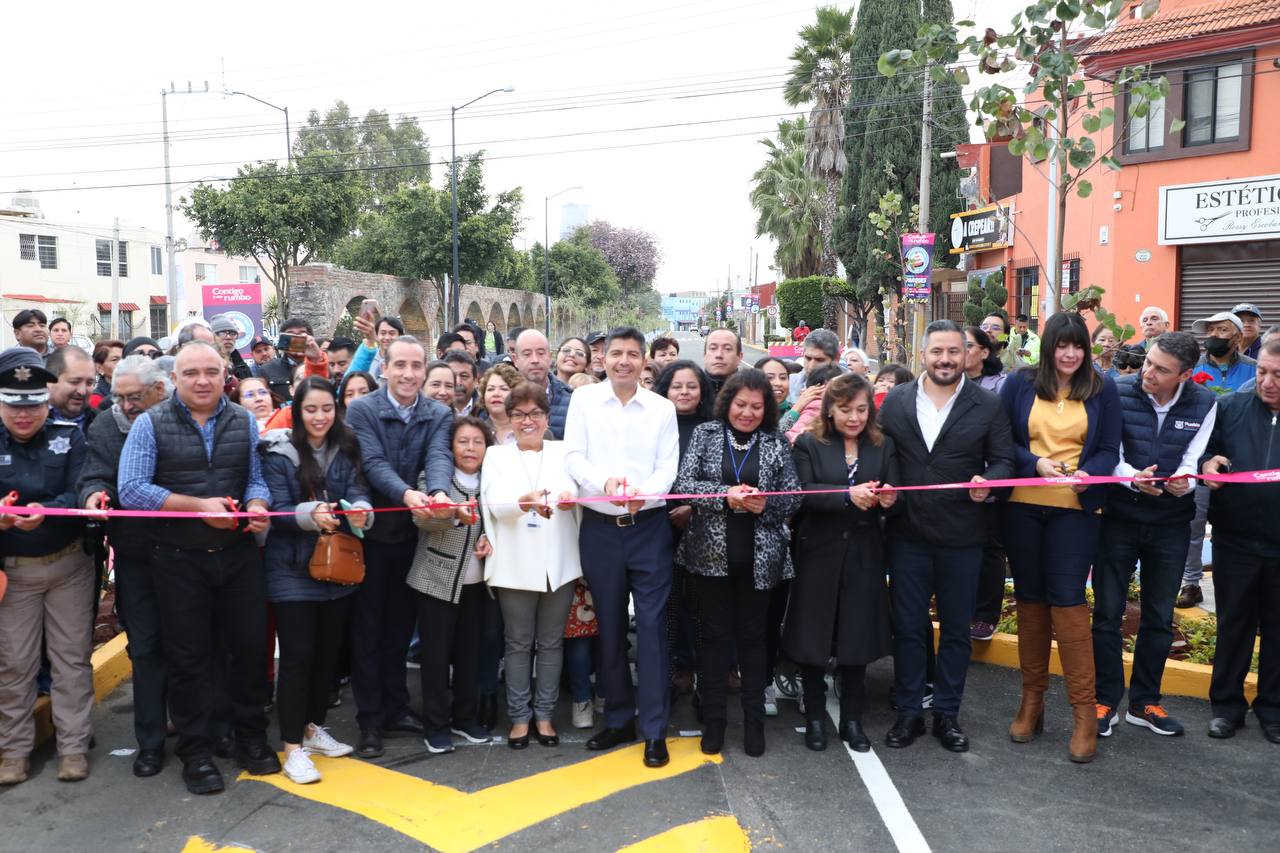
(338,558)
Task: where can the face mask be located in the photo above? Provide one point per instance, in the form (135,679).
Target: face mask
(1217,347)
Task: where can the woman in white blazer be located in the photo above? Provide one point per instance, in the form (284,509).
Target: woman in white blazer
(525,494)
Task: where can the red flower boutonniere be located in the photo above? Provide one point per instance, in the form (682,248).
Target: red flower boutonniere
(1201,377)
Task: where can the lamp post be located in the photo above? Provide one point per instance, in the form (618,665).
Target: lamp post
(454,286)
(546,255)
(288,144)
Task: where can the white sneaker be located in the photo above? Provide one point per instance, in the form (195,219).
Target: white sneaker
(299,769)
(322,743)
(770,701)
(583,718)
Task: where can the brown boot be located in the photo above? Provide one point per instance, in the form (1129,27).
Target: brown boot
(13,770)
(1034,634)
(1075,650)
(73,768)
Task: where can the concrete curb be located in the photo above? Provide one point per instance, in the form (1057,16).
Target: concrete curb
(111,667)
(1181,678)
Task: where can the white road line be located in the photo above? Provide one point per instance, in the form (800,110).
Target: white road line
(893,811)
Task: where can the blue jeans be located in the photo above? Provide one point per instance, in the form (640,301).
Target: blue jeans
(1162,549)
(919,571)
(1050,551)
(577,664)
(1193,571)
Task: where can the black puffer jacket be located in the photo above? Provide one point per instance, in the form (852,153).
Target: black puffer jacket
(1247,432)
(105,438)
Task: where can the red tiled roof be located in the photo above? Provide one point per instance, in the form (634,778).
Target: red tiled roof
(124,306)
(159,300)
(1189,22)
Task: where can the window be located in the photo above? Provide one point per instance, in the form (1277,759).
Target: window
(1028,278)
(126,324)
(1146,133)
(27,247)
(159,320)
(249,275)
(207,273)
(47,250)
(157,261)
(1070,276)
(103,250)
(1213,104)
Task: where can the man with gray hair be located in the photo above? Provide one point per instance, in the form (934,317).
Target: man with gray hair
(138,384)
(821,347)
(1154,322)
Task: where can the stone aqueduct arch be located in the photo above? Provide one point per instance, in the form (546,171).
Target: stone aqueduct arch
(322,293)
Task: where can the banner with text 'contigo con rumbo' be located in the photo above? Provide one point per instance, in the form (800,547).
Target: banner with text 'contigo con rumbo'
(241,303)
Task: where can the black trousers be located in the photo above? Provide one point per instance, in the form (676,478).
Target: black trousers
(201,595)
(451,635)
(991,577)
(310,634)
(732,612)
(1246,588)
(382,621)
(853,691)
(139,608)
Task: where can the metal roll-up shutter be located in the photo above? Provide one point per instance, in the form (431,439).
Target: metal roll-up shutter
(1207,287)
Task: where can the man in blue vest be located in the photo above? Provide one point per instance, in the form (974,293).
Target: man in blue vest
(197,452)
(1167,422)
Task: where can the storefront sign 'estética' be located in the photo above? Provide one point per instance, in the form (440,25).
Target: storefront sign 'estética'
(1220,211)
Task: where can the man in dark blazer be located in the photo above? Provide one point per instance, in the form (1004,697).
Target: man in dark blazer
(947,430)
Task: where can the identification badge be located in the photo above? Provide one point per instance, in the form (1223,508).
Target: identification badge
(535,520)
(60,445)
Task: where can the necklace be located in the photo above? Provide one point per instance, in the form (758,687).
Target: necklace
(737,445)
(537,478)
(733,459)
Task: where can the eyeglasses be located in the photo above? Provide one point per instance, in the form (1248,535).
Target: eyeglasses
(991,327)
(134,399)
(532,415)
(149,353)
(572,351)
(228,333)
(253,395)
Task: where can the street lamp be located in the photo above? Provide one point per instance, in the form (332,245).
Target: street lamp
(288,144)
(455,287)
(546,254)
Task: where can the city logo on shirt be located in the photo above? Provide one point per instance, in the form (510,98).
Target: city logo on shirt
(1186,425)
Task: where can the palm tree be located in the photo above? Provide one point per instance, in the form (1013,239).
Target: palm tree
(789,202)
(820,76)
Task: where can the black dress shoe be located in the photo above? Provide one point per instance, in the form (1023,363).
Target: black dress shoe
(610,737)
(713,737)
(202,776)
(905,731)
(521,742)
(946,729)
(655,753)
(258,758)
(753,737)
(370,745)
(815,734)
(546,740)
(1271,731)
(408,724)
(1221,727)
(224,747)
(851,733)
(487,710)
(149,762)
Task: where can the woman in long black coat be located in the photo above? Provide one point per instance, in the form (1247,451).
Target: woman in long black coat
(839,598)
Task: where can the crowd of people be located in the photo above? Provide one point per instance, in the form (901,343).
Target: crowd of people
(502,504)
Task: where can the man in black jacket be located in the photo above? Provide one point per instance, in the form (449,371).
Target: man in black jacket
(137,385)
(1246,551)
(279,371)
(947,430)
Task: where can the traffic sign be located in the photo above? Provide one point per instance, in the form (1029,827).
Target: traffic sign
(772,310)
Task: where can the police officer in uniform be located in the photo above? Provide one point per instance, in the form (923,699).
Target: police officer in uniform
(50,595)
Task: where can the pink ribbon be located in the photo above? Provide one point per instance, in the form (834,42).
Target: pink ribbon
(1233,478)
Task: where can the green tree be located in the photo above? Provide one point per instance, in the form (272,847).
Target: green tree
(1045,35)
(579,273)
(632,254)
(819,76)
(801,298)
(985,296)
(790,201)
(281,217)
(413,236)
(389,154)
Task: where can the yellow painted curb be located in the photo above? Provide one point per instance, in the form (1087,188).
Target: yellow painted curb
(111,666)
(1181,678)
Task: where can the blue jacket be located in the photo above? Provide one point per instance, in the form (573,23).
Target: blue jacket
(292,538)
(1101,451)
(1233,376)
(558,395)
(394,454)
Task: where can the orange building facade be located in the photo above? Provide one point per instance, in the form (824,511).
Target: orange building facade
(1191,222)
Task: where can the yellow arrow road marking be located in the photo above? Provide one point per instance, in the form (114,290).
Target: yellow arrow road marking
(721,834)
(455,822)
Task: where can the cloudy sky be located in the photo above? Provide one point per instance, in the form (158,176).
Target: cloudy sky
(654,108)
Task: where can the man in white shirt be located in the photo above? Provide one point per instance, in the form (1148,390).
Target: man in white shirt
(622,441)
(1168,419)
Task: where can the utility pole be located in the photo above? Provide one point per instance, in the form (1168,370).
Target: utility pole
(115,279)
(926,176)
(170,246)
